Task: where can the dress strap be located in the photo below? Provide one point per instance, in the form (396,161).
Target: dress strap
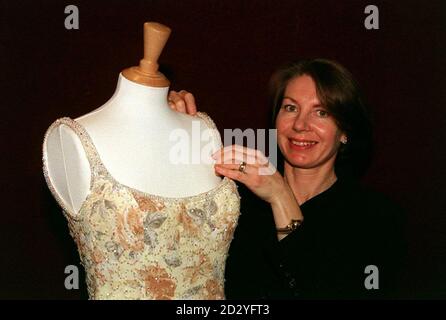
(211,125)
(91,153)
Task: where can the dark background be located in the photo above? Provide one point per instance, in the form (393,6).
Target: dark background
(223,52)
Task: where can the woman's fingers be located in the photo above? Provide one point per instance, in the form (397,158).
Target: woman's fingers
(232,174)
(237,154)
(256,164)
(176,102)
(260,178)
(182,101)
(189,98)
(249,169)
(232,156)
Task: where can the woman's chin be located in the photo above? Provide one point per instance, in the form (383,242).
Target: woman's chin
(299,163)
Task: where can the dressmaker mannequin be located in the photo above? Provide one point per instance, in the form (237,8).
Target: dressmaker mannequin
(131,134)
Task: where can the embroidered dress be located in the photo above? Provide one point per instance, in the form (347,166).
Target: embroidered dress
(134,245)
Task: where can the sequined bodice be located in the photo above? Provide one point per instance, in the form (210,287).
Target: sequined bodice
(134,245)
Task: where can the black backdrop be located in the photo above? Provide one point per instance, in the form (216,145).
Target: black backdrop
(224,52)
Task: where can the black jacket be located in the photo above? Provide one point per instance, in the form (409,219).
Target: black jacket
(346,229)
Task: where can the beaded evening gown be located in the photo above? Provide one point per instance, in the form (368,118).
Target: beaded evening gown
(134,245)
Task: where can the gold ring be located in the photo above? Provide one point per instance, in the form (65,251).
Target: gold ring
(242,167)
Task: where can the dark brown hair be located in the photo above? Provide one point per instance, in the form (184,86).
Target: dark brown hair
(338,92)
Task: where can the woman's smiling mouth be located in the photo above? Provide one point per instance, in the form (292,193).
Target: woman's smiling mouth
(301,144)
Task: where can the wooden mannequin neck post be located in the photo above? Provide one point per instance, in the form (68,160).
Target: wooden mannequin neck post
(155,38)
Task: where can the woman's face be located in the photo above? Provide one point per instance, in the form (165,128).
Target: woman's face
(306,133)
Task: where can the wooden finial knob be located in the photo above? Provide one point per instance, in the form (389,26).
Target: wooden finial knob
(155,38)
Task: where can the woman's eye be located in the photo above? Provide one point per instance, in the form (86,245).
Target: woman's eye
(322,113)
(289,107)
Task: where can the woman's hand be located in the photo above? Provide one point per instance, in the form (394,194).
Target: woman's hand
(182,101)
(258,174)
(253,169)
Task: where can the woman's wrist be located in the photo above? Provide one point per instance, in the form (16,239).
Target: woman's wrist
(282,195)
(285,209)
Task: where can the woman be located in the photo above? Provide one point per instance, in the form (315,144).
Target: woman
(310,230)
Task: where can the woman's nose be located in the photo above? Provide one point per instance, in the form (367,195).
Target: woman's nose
(301,123)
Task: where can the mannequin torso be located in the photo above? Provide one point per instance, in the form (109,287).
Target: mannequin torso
(132,133)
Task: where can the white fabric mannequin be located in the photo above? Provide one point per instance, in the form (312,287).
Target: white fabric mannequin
(131,133)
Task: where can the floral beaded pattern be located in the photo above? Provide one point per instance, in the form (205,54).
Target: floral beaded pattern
(140,246)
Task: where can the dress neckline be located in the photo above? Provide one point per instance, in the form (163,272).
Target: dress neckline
(151,196)
(322,194)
